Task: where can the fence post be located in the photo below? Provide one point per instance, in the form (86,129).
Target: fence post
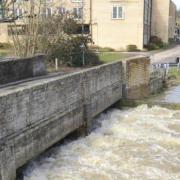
(56,64)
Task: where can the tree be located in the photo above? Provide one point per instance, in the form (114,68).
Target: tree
(35,31)
(53,34)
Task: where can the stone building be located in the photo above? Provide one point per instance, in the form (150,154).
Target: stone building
(163,19)
(116,24)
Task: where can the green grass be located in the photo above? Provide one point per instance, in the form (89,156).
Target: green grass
(5,52)
(174,72)
(173,77)
(111,57)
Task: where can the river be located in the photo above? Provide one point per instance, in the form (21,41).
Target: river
(135,144)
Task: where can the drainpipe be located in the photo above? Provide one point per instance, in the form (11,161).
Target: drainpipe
(151,18)
(91,17)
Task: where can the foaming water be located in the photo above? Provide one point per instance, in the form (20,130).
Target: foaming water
(141,143)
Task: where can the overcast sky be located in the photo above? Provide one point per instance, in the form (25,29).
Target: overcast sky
(177,3)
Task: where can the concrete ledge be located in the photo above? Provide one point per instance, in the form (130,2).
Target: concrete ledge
(12,70)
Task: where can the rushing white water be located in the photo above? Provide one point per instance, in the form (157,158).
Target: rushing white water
(137,144)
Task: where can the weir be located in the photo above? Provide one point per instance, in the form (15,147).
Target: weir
(37,114)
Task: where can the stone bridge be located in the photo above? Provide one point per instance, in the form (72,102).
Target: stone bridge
(36,114)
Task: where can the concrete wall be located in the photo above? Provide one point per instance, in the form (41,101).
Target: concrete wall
(36,115)
(137,78)
(17,69)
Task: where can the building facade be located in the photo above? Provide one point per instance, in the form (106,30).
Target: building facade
(115,23)
(163,19)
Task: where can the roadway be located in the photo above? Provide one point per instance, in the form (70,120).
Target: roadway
(166,56)
(159,56)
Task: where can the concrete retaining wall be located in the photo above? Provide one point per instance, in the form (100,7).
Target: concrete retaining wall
(136,78)
(17,69)
(37,115)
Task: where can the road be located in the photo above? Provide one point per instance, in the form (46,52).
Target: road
(163,56)
(166,56)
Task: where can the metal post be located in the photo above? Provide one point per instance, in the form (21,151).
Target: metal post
(56,64)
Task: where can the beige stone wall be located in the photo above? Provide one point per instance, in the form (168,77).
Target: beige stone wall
(172,20)
(4,33)
(163,19)
(120,32)
(40,113)
(54,5)
(107,32)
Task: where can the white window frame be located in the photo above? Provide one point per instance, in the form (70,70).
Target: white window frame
(78,12)
(117,11)
(61,10)
(18,13)
(47,15)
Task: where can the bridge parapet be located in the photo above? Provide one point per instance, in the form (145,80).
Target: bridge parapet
(35,115)
(12,70)
(136,78)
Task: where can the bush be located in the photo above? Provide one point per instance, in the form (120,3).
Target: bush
(156,40)
(171,40)
(165,45)
(132,47)
(5,45)
(156,43)
(69,52)
(153,46)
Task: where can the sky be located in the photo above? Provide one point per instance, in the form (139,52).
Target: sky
(177,2)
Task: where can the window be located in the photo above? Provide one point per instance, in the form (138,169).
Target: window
(48,12)
(80,29)
(118,12)
(77,13)
(61,10)
(19,13)
(16,30)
